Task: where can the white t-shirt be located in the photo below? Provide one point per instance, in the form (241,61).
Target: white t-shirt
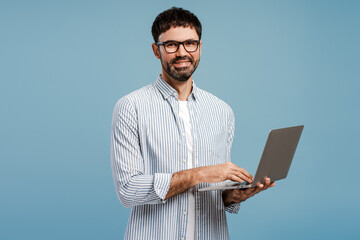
(185,116)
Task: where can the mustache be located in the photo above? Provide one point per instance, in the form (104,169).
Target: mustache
(181,58)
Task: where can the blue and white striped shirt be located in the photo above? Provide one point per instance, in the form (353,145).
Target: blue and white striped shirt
(148,145)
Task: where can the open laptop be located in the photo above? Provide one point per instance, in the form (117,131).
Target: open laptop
(275,160)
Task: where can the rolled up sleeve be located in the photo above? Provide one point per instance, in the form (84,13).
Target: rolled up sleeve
(132,186)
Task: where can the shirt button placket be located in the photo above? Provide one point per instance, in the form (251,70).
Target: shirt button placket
(184,214)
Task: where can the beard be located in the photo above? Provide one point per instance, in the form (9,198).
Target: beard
(181,74)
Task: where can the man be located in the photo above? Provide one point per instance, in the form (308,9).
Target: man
(170,138)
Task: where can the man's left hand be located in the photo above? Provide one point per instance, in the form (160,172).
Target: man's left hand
(240,195)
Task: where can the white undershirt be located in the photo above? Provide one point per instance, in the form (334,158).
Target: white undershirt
(185,116)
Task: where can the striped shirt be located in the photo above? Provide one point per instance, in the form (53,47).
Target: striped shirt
(148,145)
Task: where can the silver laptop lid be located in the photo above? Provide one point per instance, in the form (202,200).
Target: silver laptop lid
(278,154)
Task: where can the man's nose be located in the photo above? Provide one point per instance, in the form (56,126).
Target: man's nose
(181,51)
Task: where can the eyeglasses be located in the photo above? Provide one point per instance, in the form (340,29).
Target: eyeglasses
(172,46)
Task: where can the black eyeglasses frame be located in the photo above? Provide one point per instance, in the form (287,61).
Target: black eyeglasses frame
(180,43)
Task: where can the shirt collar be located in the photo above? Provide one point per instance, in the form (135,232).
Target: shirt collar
(166,90)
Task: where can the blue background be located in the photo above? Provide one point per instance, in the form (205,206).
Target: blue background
(64,64)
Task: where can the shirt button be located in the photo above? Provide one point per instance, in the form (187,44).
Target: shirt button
(184,212)
(184,161)
(182,238)
(183,134)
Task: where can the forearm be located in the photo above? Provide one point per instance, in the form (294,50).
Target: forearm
(183,180)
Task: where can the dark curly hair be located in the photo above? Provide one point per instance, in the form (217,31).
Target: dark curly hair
(174,17)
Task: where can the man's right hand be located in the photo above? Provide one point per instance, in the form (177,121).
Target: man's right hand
(183,180)
(222,172)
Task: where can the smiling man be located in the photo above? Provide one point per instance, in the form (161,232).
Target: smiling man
(170,138)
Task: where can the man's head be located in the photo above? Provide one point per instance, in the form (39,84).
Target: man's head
(177,34)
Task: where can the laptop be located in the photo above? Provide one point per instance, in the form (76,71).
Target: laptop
(275,160)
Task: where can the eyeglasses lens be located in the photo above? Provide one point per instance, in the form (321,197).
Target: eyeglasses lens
(190,46)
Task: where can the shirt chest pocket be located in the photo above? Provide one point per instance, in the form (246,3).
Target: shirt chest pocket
(213,142)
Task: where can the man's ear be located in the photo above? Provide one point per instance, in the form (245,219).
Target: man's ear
(156,50)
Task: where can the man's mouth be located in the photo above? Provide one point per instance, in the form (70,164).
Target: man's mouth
(180,63)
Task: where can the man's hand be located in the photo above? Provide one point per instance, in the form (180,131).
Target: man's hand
(223,172)
(240,195)
(183,180)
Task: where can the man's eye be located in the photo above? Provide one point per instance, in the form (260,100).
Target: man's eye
(190,43)
(171,44)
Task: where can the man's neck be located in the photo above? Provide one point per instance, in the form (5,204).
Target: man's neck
(183,88)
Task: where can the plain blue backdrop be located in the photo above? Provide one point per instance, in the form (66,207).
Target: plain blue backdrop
(64,64)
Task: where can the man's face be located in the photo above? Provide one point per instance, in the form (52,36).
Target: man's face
(179,65)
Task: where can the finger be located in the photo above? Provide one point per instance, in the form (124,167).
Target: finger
(235,178)
(270,185)
(258,188)
(242,176)
(259,185)
(250,190)
(267,183)
(246,174)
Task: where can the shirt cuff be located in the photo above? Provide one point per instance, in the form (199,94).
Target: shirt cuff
(233,208)
(162,184)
